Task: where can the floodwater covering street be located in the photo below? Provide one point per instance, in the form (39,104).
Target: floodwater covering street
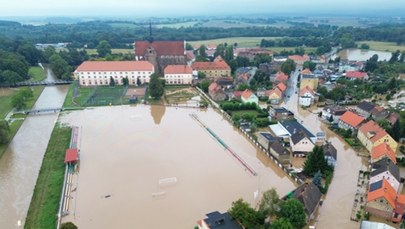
(336,209)
(19,166)
(157,167)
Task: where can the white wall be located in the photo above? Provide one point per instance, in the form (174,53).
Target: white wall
(95,78)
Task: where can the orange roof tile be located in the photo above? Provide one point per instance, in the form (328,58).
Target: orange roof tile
(401,199)
(305,90)
(299,58)
(246,94)
(372,126)
(306,72)
(275,91)
(386,191)
(281,76)
(356,74)
(104,66)
(281,86)
(178,69)
(351,118)
(218,65)
(213,86)
(381,150)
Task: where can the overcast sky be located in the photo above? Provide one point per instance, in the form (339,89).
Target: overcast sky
(159,8)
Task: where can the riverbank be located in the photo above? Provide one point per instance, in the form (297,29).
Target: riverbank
(44,204)
(5,107)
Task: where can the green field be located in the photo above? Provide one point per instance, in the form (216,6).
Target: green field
(382,46)
(113,51)
(44,204)
(177,25)
(242,41)
(36,74)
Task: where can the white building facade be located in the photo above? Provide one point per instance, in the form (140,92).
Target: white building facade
(99,73)
(178,74)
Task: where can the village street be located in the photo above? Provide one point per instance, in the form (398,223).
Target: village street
(336,209)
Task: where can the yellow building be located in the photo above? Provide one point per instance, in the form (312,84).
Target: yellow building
(217,68)
(310,81)
(372,135)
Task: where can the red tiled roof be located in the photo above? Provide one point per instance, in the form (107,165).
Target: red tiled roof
(71,155)
(356,74)
(280,76)
(103,66)
(162,48)
(219,65)
(371,126)
(351,118)
(306,72)
(393,118)
(219,59)
(305,90)
(247,93)
(213,87)
(386,191)
(178,69)
(237,94)
(275,91)
(381,150)
(281,86)
(299,58)
(190,55)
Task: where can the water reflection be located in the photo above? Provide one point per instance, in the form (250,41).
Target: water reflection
(157,112)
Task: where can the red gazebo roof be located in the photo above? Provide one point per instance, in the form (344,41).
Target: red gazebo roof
(71,155)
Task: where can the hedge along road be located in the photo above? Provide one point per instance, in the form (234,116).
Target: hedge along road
(19,166)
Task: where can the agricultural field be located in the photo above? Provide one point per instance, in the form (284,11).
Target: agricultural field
(242,41)
(177,25)
(382,46)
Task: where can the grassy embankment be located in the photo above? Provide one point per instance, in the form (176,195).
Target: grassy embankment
(44,204)
(37,74)
(5,105)
(382,46)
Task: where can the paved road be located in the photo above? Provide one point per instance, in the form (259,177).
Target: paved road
(336,209)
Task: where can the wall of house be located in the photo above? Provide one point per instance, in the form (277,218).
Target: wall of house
(252,99)
(178,78)
(365,141)
(389,140)
(263,141)
(305,101)
(362,113)
(380,209)
(305,145)
(96,78)
(215,73)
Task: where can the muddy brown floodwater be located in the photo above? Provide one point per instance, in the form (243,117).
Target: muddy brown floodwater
(337,206)
(155,167)
(20,163)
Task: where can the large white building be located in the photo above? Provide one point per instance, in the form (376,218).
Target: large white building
(94,73)
(178,74)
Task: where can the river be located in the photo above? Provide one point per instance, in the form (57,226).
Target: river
(336,209)
(19,166)
(361,55)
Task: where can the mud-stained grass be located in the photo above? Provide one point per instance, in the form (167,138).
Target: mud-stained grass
(44,204)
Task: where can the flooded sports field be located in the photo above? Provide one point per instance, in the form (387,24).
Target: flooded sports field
(157,167)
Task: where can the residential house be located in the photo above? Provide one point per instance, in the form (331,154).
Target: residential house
(365,108)
(261,92)
(350,121)
(287,128)
(330,153)
(353,75)
(251,53)
(225,82)
(249,97)
(379,113)
(216,220)
(280,113)
(275,95)
(280,152)
(307,97)
(382,151)
(266,139)
(280,77)
(386,169)
(384,202)
(161,53)
(178,74)
(215,69)
(374,225)
(97,73)
(301,144)
(310,81)
(335,111)
(393,118)
(306,72)
(216,92)
(282,87)
(310,196)
(245,74)
(371,135)
(299,60)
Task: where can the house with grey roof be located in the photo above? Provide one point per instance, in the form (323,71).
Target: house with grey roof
(333,111)
(310,196)
(265,139)
(279,151)
(386,169)
(330,153)
(301,144)
(280,113)
(365,108)
(217,220)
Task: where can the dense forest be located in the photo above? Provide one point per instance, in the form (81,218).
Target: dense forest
(123,34)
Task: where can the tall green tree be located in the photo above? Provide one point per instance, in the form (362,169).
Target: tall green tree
(316,162)
(112,82)
(317,180)
(18,101)
(155,87)
(246,215)
(60,67)
(288,66)
(68,225)
(202,52)
(125,81)
(103,48)
(220,51)
(270,203)
(293,211)
(281,223)
(4,132)
(204,84)
(310,65)
(228,54)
